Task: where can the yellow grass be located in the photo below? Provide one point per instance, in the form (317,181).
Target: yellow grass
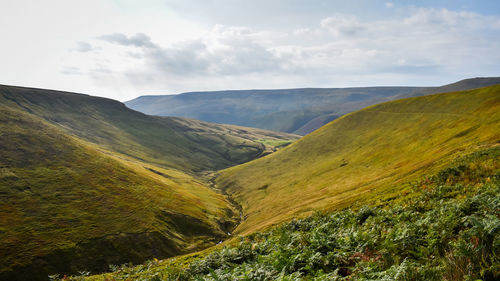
(365,156)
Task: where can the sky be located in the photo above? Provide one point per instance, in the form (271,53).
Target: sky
(122,49)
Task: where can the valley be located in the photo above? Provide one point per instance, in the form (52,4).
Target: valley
(165,140)
(371,195)
(450,215)
(87,184)
(367,156)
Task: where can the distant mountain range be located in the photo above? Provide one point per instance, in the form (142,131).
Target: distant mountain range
(298,111)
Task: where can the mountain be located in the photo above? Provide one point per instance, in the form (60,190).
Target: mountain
(298,111)
(279,110)
(462,85)
(366,156)
(86,182)
(167,142)
(402,190)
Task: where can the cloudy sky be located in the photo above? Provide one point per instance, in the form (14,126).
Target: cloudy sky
(122,48)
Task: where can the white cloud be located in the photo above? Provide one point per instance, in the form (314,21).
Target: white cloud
(340,50)
(389,4)
(301,31)
(342,25)
(442,18)
(137,40)
(83,47)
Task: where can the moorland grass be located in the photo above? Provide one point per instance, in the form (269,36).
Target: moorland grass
(446,228)
(58,191)
(366,156)
(82,176)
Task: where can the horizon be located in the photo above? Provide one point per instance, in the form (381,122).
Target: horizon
(124,49)
(247,89)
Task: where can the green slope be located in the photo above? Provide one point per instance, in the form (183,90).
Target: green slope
(298,111)
(364,156)
(86,182)
(158,140)
(462,85)
(447,228)
(68,206)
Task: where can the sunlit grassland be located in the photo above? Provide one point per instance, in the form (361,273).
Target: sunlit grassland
(275,143)
(86,182)
(178,143)
(445,228)
(366,156)
(58,191)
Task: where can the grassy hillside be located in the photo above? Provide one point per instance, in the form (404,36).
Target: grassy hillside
(462,85)
(445,228)
(466,84)
(316,123)
(365,156)
(233,142)
(86,182)
(162,141)
(62,198)
(298,111)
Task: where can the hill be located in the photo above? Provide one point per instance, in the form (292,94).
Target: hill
(168,142)
(466,84)
(445,227)
(366,156)
(86,182)
(298,111)
(462,85)
(280,110)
